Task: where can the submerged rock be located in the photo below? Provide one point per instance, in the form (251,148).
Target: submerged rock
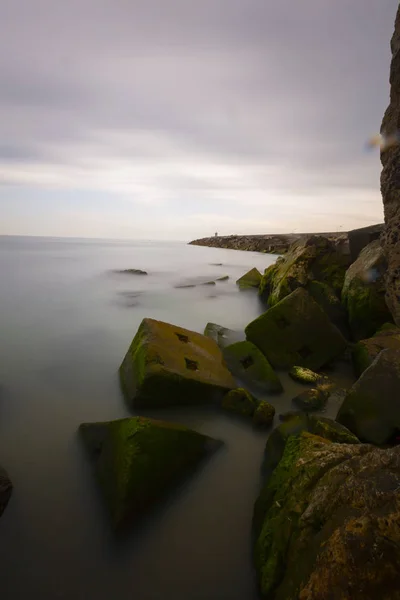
(223,278)
(372,407)
(314,399)
(250,279)
(240,401)
(249,364)
(264,414)
(296,331)
(6,488)
(132,272)
(138,461)
(365,351)
(168,365)
(304,375)
(364,292)
(327,523)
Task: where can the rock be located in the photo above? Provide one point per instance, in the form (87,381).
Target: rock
(138,461)
(249,364)
(264,414)
(359,238)
(327,523)
(296,331)
(132,272)
(310,259)
(222,335)
(364,293)
(365,351)
(208,283)
(390,182)
(250,279)
(168,365)
(304,375)
(6,488)
(329,301)
(240,401)
(314,399)
(372,407)
(223,278)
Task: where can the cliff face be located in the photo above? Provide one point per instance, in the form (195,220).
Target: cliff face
(390,181)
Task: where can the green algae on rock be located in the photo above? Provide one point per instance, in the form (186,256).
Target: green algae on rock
(222,335)
(296,331)
(138,461)
(240,401)
(223,278)
(249,364)
(313,399)
(304,375)
(264,414)
(365,351)
(168,365)
(250,279)
(372,407)
(363,292)
(327,523)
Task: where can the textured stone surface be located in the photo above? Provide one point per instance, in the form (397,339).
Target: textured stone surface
(365,351)
(137,461)
(168,365)
(359,238)
(327,523)
(240,401)
(264,414)
(372,407)
(250,279)
(296,331)
(363,292)
(222,335)
(390,182)
(249,364)
(304,375)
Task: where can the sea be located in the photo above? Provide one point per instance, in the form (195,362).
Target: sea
(67,318)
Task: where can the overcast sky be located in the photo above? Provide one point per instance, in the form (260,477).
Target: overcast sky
(177,118)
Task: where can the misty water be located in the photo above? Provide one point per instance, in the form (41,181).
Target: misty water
(66,321)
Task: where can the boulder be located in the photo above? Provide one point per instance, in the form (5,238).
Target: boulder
(359,238)
(309,259)
(249,364)
(327,523)
(264,414)
(138,461)
(222,335)
(240,401)
(168,365)
(250,279)
(314,399)
(390,181)
(365,351)
(372,407)
(303,375)
(296,331)
(5,490)
(363,292)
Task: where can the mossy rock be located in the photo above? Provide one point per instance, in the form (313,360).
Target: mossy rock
(223,278)
(250,279)
(249,364)
(240,401)
(372,407)
(326,512)
(330,302)
(138,461)
(310,400)
(365,351)
(296,331)
(168,365)
(309,259)
(304,375)
(363,292)
(222,335)
(264,414)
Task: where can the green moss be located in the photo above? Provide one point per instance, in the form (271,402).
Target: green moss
(138,460)
(248,363)
(240,401)
(388,327)
(250,279)
(361,358)
(264,414)
(304,375)
(366,307)
(310,400)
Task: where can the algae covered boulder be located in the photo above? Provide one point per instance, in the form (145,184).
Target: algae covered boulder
(240,401)
(309,259)
(222,335)
(6,488)
(296,331)
(327,523)
(138,461)
(363,292)
(303,375)
(365,351)
(249,364)
(168,365)
(264,414)
(313,399)
(250,279)
(372,407)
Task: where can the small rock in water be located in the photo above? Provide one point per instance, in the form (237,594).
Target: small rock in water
(223,278)
(240,401)
(132,272)
(304,375)
(264,414)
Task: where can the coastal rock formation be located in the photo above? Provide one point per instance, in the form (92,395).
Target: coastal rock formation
(249,364)
(327,523)
(313,399)
(359,238)
(371,410)
(390,182)
(250,279)
(168,365)
(296,331)
(365,351)
(5,490)
(363,292)
(240,401)
(138,461)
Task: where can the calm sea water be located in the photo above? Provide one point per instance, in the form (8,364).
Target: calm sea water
(66,321)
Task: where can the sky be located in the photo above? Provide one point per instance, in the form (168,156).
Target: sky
(174,119)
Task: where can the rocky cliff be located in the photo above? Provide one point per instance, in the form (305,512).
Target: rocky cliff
(390,181)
